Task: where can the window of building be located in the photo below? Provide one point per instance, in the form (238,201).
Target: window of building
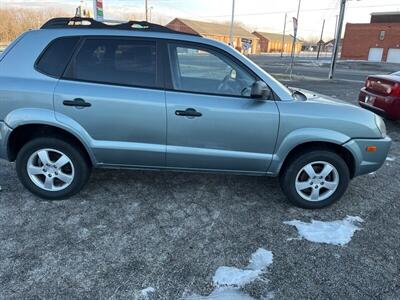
(382,35)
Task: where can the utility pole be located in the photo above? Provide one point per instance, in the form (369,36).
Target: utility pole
(283,36)
(150,13)
(294,40)
(146,10)
(337,38)
(232,23)
(337,16)
(320,40)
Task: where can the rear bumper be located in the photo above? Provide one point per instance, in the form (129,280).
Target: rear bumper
(367,162)
(374,109)
(4,134)
(385,106)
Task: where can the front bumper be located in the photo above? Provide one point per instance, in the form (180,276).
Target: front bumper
(367,162)
(4,134)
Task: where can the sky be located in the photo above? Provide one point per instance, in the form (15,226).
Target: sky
(266,15)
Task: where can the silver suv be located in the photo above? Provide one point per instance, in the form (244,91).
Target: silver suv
(79,94)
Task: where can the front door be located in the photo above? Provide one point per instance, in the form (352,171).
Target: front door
(213,124)
(112,92)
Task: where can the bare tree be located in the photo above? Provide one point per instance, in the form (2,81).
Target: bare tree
(14,21)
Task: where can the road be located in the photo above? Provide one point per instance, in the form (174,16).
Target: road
(311,68)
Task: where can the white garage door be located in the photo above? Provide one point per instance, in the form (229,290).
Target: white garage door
(393,56)
(375,54)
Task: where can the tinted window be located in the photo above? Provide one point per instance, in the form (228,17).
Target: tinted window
(115,61)
(56,56)
(206,71)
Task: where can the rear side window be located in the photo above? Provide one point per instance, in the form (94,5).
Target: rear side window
(115,61)
(55,57)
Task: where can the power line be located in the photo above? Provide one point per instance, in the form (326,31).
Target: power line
(304,10)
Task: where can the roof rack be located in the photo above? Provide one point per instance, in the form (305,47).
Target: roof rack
(78,22)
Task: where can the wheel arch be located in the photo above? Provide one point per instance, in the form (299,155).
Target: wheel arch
(321,145)
(23,133)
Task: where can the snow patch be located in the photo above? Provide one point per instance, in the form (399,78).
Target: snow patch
(227,293)
(260,259)
(337,232)
(390,158)
(231,276)
(146,293)
(229,280)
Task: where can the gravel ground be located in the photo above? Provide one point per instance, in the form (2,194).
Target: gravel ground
(131,230)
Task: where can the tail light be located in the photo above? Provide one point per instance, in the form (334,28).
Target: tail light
(382,86)
(395,91)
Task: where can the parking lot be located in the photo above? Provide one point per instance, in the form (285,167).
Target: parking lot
(163,235)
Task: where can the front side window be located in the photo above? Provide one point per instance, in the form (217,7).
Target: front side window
(115,61)
(205,71)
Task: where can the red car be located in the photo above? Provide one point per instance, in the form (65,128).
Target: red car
(381,94)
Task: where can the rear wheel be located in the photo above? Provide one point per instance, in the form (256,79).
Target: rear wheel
(52,168)
(315,179)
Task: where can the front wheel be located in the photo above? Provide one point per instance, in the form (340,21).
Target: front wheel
(52,168)
(315,179)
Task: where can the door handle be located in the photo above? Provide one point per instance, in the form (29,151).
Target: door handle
(77,102)
(189,112)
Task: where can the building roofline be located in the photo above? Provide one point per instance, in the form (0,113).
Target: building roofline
(389,13)
(244,33)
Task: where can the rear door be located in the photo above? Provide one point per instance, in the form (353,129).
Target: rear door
(113,91)
(213,124)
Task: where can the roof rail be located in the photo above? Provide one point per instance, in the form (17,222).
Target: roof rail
(78,22)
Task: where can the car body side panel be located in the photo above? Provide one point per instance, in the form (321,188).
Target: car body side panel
(236,134)
(127,126)
(21,86)
(20,93)
(319,121)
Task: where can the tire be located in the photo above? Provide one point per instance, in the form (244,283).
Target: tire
(59,178)
(302,189)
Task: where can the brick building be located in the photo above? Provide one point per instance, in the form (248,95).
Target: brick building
(220,32)
(272,42)
(378,40)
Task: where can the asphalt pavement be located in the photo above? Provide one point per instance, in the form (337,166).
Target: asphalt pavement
(128,231)
(311,68)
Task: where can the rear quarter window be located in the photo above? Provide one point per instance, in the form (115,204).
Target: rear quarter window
(55,57)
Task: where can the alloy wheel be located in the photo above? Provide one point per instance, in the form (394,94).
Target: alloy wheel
(317,181)
(50,170)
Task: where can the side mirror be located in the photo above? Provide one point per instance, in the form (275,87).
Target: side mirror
(299,96)
(260,90)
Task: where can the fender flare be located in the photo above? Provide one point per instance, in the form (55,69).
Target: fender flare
(303,136)
(37,116)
